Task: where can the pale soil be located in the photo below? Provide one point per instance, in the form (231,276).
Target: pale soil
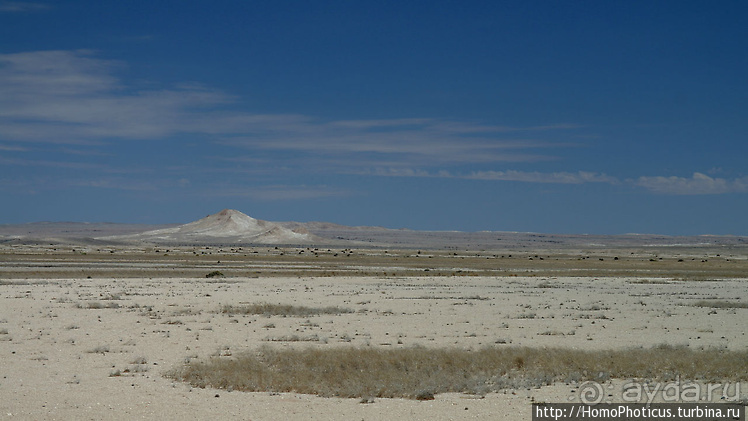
(78,348)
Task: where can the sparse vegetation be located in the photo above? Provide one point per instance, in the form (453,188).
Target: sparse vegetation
(186,312)
(420,372)
(139,360)
(293,338)
(436,297)
(172,314)
(720,304)
(268,309)
(548,285)
(95,305)
(22,282)
(650,281)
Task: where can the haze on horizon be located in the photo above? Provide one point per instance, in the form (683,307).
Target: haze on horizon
(584,117)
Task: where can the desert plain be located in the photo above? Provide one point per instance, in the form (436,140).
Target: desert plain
(97,331)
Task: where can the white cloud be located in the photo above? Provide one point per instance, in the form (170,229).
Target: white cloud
(698,184)
(22,6)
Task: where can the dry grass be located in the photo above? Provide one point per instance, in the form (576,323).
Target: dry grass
(720,304)
(417,372)
(95,305)
(652,281)
(22,282)
(268,309)
(293,338)
(435,297)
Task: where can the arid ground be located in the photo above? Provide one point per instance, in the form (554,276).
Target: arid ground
(97,332)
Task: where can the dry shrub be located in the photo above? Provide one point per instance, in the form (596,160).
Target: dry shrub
(413,372)
(268,309)
(101,349)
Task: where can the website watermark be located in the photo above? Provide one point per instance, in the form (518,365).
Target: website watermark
(638,411)
(677,391)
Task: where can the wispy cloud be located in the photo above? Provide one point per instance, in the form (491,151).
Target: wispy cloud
(697,184)
(278,192)
(23,6)
(109,183)
(12,148)
(74,97)
(51,164)
(578,177)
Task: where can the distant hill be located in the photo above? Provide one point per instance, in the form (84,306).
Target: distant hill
(227,226)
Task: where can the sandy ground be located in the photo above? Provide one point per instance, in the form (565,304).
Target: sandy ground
(78,348)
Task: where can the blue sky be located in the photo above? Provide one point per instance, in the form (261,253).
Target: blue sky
(562,117)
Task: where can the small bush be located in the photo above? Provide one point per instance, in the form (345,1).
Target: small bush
(215,274)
